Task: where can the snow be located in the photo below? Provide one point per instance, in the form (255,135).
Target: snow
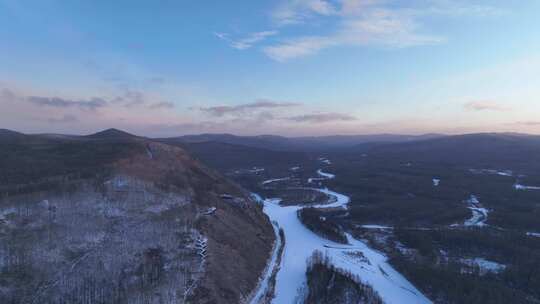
(300,243)
(295,168)
(325,175)
(523,187)
(149,153)
(262,287)
(256,197)
(311,179)
(473,199)
(484,265)
(436,182)
(376,227)
(275,180)
(535,234)
(325,161)
(479,214)
(209,211)
(338,200)
(403,249)
(201,245)
(492,171)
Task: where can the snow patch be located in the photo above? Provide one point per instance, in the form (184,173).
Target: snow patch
(523,187)
(484,265)
(376,227)
(256,170)
(262,287)
(325,175)
(149,153)
(266,182)
(325,160)
(479,214)
(436,182)
(209,211)
(492,171)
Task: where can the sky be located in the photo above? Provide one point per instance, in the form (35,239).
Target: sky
(293,68)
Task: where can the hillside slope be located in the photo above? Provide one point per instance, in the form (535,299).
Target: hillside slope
(114,218)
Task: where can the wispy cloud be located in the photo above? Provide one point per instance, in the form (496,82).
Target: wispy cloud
(529,123)
(298,11)
(246,42)
(364,23)
(322,118)
(485,105)
(67,118)
(91,104)
(299,47)
(157,80)
(161,105)
(129,99)
(260,104)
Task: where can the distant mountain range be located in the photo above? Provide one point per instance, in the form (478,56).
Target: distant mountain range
(308,143)
(478,148)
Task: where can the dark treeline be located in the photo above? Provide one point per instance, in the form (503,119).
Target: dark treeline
(316,221)
(447,280)
(330,285)
(47,165)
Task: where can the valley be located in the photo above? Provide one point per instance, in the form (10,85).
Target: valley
(80,214)
(461,238)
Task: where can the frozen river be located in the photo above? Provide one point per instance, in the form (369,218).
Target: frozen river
(300,243)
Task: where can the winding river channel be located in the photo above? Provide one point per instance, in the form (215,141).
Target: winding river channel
(357,257)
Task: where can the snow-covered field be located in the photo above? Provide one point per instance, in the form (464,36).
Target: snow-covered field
(300,243)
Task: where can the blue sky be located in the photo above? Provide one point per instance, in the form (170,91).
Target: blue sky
(304,67)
